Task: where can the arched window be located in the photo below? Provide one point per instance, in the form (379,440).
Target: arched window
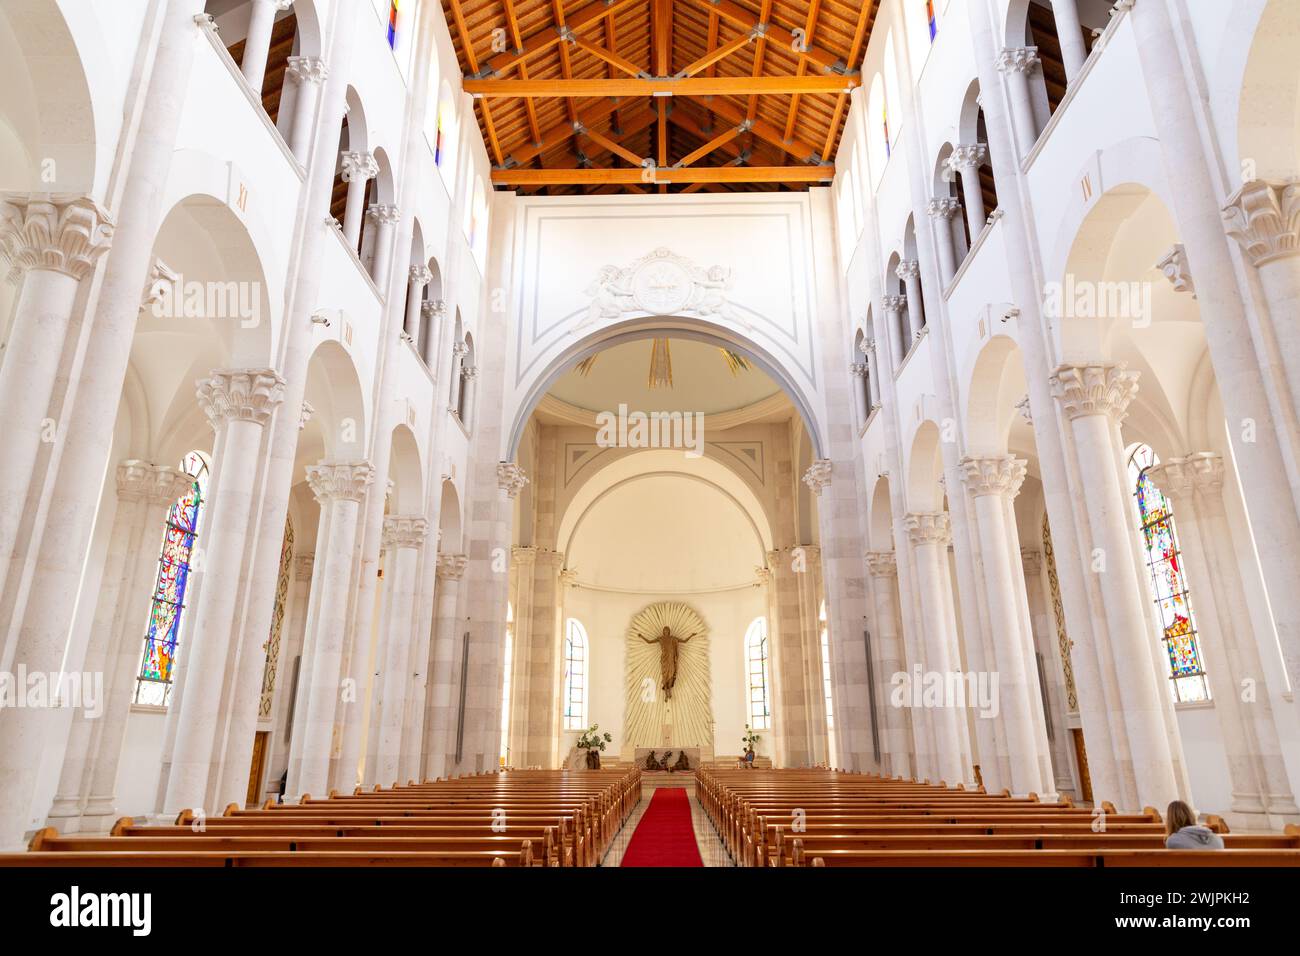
(877,139)
(827,689)
(933,21)
(444,136)
(575,676)
(476,223)
(760,713)
(1173,606)
(507,665)
(153,684)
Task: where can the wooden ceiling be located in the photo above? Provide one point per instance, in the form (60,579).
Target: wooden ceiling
(720,95)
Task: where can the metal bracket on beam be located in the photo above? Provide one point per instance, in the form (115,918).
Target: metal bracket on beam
(567,35)
(758,30)
(746,126)
(484,74)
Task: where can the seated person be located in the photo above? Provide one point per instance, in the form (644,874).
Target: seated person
(749,758)
(682,762)
(1183,832)
(651,763)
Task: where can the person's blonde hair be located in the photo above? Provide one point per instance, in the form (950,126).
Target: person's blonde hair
(1179,815)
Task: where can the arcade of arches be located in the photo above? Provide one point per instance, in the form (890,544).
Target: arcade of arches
(367,420)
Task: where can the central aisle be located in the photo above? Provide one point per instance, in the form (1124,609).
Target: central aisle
(665,836)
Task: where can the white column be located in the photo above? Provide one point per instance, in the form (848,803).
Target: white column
(966,162)
(897,743)
(1261,791)
(1094,399)
(443,704)
(238,404)
(909,270)
(358,169)
(993,482)
(1017,64)
(894,306)
(432,312)
(288,695)
(1264,217)
(51,244)
(339,488)
(929,534)
(942,212)
(261,23)
(403,537)
(420,277)
(1047,644)
(458,353)
(385,216)
(873,374)
(858,374)
(145,492)
(310,72)
(1069,32)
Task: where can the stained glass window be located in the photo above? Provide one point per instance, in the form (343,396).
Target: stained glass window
(154,683)
(760,715)
(929,12)
(505,683)
(575,676)
(393,13)
(884,119)
(827,690)
(1173,609)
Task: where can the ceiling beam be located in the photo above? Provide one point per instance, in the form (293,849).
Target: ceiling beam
(714,54)
(693,174)
(660,86)
(459,15)
(546,37)
(823,61)
(764,130)
(716,143)
(613,59)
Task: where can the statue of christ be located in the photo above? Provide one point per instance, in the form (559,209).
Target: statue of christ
(667,658)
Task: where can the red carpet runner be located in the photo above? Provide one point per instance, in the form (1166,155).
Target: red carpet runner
(664,837)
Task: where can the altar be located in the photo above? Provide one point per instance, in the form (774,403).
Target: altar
(670,755)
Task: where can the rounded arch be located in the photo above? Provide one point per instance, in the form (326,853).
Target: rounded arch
(406,473)
(47,116)
(449,522)
(1268,107)
(877,140)
(638,329)
(925,469)
(338,422)
(996,382)
(880,518)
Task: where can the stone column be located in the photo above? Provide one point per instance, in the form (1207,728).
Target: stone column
(458,352)
(385,216)
(966,162)
(873,374)
(993,483)
(339,487)
(358,170)
(786,639)
(261,23)
(52,244)
(1017,64)
(1094,399)
(909,270)
(894,306)
(1069,33)
(1052,678)
(883,568)
(929,535)
(1261,791)
(238,404)
(1264,217)
(85,797)
(444,702)
(310,72)
(433,312)
(403,537)
(288,697)
(942,212)
(470,374)
(420,277)
(858,371)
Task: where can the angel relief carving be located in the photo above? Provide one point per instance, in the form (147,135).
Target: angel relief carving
(661,283)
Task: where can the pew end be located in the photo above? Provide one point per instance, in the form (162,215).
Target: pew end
(39,838)
(120,826)
(231,809)
(1216,823)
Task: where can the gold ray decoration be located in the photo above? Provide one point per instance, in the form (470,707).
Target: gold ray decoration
(736,362)
(661,365)
(688,715)
(584,367)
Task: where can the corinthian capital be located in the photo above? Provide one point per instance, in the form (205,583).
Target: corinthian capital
(384,213)
(343,481)
(894,303)
(240,394)
(362,166)
(967,157)
(451,566)
(308,69)
(943,208)
(928,527)
(1180,478)
(66,235)
(1264,217)
(404,531)
(1094,389)
(1018,60)
(158,485)
(993,475)
(421,275)
(818,475)
(511,478)
(882,564)
(908,269)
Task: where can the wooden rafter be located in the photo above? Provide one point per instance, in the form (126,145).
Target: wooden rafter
(656,86)
(547,37)
(694,174)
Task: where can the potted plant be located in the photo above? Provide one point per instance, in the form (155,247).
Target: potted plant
(749,740)
(593,742)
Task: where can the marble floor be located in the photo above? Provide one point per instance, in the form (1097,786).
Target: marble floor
(712,851)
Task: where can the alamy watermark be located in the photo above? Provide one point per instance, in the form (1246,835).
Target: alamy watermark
(920,688)
(45,689)
(177,298)
(626,429)
(1086,299)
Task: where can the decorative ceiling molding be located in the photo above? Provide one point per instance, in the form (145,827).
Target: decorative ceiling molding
(774,406)
(661,283)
